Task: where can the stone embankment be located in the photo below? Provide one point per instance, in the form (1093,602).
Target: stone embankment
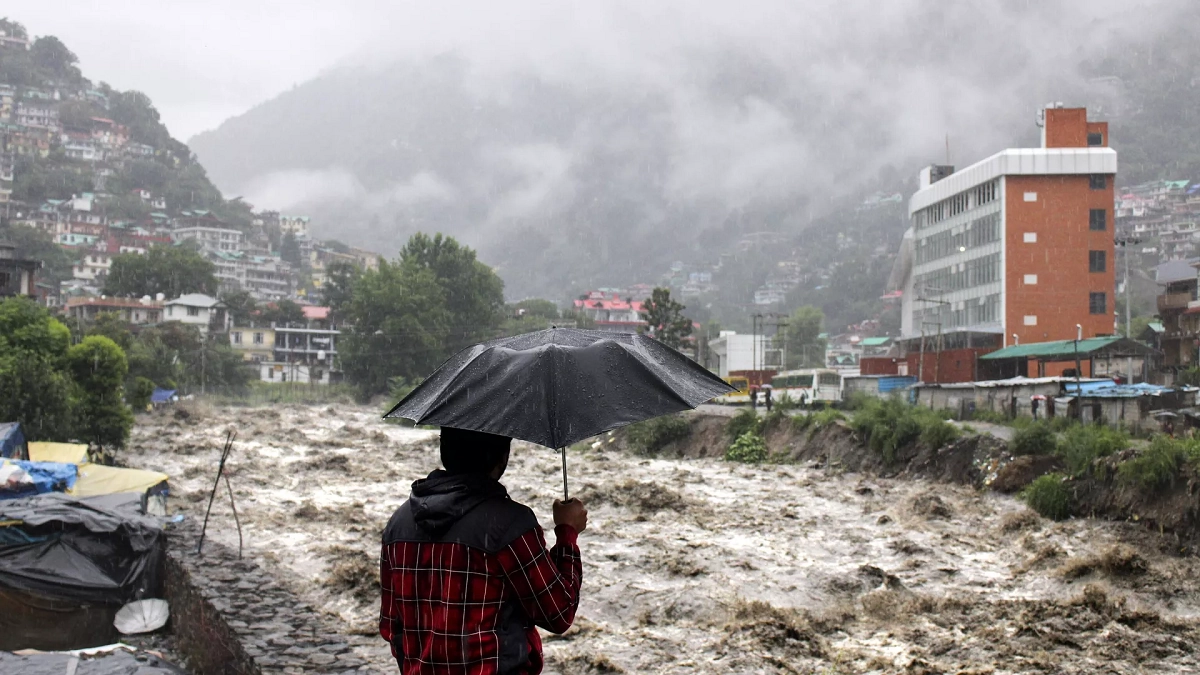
(233,617)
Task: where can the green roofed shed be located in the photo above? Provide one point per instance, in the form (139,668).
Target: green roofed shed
(1065,350)
(876,341)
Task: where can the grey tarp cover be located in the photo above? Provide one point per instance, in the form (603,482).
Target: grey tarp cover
(95,549)
(559,386)
(118,662)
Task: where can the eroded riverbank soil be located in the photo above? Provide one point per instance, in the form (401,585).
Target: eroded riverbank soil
(701,566)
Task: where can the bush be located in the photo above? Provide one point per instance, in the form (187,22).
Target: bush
(938,434)
(1082,445)
(138,393)
(890,424)
(822,418)
(748,448)
(1159,463)
(651,436)
(1033,439)
(746,420)
(785,403)
(1049,496)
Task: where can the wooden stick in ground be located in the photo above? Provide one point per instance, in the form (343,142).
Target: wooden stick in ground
(236,521)
(229,436)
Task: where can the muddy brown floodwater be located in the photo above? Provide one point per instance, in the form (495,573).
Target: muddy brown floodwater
(701,566)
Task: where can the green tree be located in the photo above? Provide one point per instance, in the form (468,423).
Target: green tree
(54,60)
(113,327)
(338,291)
(401,327)
(34,244)
(99,367)
(282,313)
(289,250)
(804,346)
(474,294)
(139,392)
(34,389)
(170,270)
(665,320)
(241,307)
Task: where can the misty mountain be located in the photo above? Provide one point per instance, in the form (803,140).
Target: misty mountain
(602,170)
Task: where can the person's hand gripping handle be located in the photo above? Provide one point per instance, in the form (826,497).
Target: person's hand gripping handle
(571,513)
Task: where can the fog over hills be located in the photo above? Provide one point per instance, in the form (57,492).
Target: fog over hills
(598,155)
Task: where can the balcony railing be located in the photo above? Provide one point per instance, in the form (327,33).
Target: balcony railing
(1172,301)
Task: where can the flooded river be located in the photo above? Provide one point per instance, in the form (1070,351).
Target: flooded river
(701,566)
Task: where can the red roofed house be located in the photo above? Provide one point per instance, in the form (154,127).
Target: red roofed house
(611,312)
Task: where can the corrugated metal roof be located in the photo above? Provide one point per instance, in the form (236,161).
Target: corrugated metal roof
(1064,348)
(875,341)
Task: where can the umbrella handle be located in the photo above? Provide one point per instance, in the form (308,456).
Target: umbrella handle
(566,495)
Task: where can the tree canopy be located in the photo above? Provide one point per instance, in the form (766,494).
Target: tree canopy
(413,313)
(665,319)
(803,344)
(170,270)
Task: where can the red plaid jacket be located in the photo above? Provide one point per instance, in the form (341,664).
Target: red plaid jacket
(466,599)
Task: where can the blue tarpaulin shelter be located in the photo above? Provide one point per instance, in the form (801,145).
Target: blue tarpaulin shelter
(43,477)
(161,395)
(12,441)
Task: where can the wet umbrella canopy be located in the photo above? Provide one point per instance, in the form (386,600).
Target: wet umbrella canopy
(559,386)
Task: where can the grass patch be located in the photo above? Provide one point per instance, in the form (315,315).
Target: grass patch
(1160,463)
(651,436)
(1034,438)
(891,424)
(1081,445)
(1048,496)
(749,448)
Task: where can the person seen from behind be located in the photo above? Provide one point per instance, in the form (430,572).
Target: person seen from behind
(465,572)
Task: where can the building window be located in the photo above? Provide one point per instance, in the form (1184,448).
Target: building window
(1097,261)
(236,337)
(1030,237)
(258,338)
(193,311)
(1098,303)
(1031,280)
(1097,181)
(1095,139)
(1098,220)
(1030,320)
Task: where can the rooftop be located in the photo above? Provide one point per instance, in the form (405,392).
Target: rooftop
(195,300)
(1066,349)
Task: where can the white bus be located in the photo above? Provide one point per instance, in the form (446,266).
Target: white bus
(813,385)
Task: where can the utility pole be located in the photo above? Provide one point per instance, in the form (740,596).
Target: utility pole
(1124,241)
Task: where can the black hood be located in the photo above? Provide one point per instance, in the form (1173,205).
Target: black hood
(442,499)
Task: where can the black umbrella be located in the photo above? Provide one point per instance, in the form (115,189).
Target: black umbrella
(559,386)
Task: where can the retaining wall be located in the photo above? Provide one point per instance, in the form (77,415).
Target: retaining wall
(232,617)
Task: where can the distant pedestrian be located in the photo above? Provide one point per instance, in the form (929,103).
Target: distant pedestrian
(803,401)
(767,399)
(754,399)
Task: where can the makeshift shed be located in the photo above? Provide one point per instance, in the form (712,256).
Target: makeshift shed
(12,441)
(1020,360)
(162,396)
(880,386)
(68,564)
(1130,405)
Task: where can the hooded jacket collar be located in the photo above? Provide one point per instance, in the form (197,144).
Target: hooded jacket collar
(442,499)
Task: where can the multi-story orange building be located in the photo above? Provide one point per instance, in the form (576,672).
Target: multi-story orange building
(1017,247)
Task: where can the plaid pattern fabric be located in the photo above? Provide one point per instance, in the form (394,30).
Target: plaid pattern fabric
(441,601)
